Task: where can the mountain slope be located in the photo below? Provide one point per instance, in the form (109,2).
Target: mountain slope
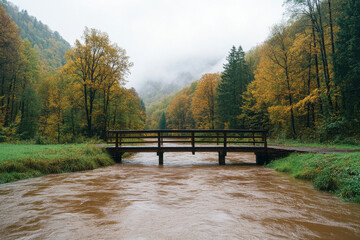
(50,46)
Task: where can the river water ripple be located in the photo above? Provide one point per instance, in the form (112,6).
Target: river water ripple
(190,197)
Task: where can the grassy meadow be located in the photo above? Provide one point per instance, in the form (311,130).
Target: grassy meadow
(18,161)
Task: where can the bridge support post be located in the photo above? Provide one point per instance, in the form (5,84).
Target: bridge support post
(118,157)
(161,158)
(222,156)
(261,158)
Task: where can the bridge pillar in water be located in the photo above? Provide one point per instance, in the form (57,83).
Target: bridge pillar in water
(222,156)
(118,157)
(261,158)
(161,158)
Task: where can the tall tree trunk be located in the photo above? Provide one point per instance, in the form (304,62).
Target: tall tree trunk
(2,93)
(105,109)
(73,122)
(308,87)
(115,114)
(317,70)
(58,128)
(8,107)
(331,29)
(91,107)
(324,57)
(290,103)
(337,98)
(88,109)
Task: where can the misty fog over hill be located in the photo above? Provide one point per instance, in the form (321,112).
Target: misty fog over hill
(154,90)
(177,76)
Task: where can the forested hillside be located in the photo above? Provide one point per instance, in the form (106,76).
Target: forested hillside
(302,82)
(154,91)
(56,98)
(49,45)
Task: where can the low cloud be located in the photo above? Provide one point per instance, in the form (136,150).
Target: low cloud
(164,38)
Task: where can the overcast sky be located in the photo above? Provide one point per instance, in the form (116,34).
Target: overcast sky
(164,38)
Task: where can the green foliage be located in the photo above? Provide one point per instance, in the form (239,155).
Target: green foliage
(347,59)
(29,115)
(30,104)
(155,111)
(3,136)
(19,103)
(235,78)
(162,123)
(308,143)
(10,59)
(25,161)
(337,173)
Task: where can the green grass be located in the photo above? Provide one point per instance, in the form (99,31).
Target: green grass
(295,143)
(338,173)
(19,161)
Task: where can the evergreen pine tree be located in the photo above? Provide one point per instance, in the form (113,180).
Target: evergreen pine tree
(30,104)
(162,123)
(233,84)
(347,58)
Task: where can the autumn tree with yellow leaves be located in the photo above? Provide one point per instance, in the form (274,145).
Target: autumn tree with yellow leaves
(98,65)
(180,110)
(204,101)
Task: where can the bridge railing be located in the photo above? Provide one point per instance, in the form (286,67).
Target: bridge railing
(193,138)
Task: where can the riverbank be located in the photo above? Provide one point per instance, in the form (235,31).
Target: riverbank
(18,161)
(338,173)
(297,143)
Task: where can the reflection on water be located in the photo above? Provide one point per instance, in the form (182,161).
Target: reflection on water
(190,197)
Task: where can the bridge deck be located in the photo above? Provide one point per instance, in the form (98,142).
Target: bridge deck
(193,141)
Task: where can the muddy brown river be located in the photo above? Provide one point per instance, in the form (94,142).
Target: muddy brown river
(190,197)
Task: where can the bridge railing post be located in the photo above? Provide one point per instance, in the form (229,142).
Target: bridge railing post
(266,147)
(193,142)
(116,139)
(159,153)
(120,139)
(222,156)
(159,139)
(253,137)
(265,140)
(223,153)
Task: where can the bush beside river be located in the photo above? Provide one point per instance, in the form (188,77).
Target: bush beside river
(338,173)
(19,161)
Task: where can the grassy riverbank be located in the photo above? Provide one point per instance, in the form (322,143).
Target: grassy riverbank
(337,173)
(297,143)
(18,161)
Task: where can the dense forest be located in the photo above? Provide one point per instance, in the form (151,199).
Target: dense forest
(53,93)
(303,82)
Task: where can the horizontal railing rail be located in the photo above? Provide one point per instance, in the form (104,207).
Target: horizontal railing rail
(193,138)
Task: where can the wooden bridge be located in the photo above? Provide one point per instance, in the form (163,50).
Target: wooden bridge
(162,141)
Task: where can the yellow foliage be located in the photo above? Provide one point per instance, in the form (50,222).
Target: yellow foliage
(179,110)
(203,102)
